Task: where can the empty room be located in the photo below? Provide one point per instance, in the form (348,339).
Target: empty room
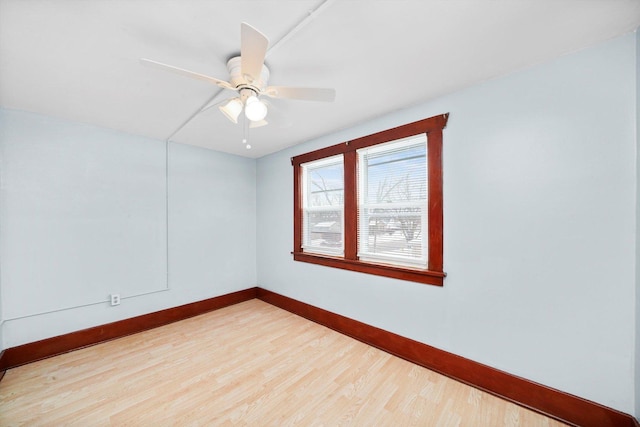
(320,212)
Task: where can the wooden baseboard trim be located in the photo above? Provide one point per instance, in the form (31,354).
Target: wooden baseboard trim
(31,352)
(546,400)
(2,371)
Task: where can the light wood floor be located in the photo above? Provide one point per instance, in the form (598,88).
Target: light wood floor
(249,364)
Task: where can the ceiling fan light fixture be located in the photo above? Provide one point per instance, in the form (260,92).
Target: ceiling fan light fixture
(254,109)
(258,124)
(232,109)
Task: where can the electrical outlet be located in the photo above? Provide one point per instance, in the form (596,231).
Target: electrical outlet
(115,299)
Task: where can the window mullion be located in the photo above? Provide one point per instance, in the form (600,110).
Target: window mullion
(350,206)
(297,207)
(434,154)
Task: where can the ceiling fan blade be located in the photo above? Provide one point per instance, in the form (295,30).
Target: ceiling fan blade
(253,49)
(161,66)
(303,93)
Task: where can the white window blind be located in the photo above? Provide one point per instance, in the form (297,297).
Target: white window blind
(323,206)
(392,202)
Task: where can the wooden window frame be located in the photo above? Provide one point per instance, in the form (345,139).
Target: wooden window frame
(433,274)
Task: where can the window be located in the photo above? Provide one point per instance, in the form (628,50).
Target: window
(322,206)
(374,204)
(392,202)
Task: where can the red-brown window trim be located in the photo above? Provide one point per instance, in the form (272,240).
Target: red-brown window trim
(433,274)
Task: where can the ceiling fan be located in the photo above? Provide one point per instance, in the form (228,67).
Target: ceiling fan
(248,76)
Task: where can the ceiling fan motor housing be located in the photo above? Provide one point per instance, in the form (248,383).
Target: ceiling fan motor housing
(240,81)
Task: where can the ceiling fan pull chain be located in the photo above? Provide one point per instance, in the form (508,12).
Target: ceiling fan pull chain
(245,133)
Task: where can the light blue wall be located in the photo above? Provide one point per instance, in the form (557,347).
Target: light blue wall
(539,238)
(2,346)
(83,214)
(212,222)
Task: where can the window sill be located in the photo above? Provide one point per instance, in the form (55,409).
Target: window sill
(396,272)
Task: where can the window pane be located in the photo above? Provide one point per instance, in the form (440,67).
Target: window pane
(392,202)
(323,202)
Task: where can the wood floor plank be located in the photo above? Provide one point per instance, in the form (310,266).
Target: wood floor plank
(246,364)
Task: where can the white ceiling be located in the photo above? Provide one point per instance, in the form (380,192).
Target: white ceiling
(79,60)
